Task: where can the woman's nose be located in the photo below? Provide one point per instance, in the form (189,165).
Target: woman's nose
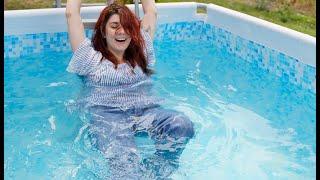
(120,30)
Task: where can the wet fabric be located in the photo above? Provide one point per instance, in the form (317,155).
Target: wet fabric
(113,133)
(123,87)
(121,105)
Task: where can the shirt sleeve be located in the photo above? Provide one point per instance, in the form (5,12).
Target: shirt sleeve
(149,49)
(85,59)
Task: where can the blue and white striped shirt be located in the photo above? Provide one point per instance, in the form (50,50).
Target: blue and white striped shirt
(107,86)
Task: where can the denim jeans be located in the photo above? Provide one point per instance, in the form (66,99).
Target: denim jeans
(113,133)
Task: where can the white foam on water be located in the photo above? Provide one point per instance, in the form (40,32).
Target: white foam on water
(48,142)
(81,132)
(247,143)
(52,122)
(231,88)
(55,84)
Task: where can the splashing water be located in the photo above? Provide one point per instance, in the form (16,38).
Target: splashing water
(249,123)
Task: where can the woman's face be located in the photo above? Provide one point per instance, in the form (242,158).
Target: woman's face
(117,39)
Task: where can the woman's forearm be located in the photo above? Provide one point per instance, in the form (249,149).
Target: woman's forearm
(75,26)
(149,20)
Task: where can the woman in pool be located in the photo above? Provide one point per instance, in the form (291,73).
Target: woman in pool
(116,68)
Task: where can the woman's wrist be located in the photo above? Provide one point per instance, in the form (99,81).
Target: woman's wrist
(151,13)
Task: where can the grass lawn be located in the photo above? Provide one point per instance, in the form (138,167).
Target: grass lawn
(299,15)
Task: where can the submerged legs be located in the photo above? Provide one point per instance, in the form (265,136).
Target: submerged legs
(111,133)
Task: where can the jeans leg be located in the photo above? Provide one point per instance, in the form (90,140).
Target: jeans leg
(171,131)
(111,133)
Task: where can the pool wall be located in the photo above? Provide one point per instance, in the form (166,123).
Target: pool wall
(288,54)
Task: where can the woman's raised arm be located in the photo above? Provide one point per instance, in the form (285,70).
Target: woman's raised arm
(75,25)
(149,20)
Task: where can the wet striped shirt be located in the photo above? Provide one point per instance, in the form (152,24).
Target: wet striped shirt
(124,87)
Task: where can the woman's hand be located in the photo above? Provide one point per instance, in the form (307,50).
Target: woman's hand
(109,2)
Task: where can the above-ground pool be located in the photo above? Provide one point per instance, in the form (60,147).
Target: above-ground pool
(253,106)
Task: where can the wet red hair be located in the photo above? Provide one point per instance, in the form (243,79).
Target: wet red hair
(134,54)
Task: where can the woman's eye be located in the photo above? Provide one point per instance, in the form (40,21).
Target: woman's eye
(114,26)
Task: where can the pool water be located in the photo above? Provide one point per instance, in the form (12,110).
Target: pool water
(249,123)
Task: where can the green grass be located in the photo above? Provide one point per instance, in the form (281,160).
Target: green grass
(299,16)
(28,4)
(285,16)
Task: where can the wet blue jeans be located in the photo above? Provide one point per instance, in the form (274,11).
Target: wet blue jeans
(113,133)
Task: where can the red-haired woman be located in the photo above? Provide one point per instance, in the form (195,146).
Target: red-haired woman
(116,66)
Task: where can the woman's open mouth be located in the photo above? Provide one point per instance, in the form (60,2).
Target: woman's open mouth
(121,40)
